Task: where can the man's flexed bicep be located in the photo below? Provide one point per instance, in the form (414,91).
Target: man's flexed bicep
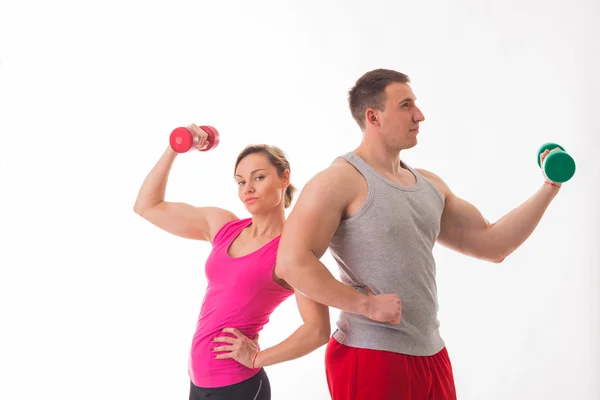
(315,217)
(306,236)
(465,230)
(311,226)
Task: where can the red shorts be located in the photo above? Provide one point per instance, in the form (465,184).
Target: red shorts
(364,374)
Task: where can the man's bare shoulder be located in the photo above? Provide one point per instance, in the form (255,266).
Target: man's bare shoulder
(338,180)
(436,180)
(339,172)
(349,171)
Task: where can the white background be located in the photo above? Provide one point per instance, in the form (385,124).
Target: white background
(96,303)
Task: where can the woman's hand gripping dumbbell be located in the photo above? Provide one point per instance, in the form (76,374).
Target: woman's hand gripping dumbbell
(194,137)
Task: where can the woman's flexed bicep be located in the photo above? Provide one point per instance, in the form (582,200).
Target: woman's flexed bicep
(180,219)
(187,221)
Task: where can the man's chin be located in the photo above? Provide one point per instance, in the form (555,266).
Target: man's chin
(410,145)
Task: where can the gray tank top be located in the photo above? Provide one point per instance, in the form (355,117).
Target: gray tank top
(387,246)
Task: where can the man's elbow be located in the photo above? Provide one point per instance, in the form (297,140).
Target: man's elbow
(500,256)
(288,266)
(495,258)
(488,257)
(487,253)
(283,268)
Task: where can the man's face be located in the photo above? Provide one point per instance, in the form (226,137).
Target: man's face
(399,122)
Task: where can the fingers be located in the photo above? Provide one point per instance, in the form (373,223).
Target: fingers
(548,151)
(222,348)
(199,131)
(224,339)
(369,292)
(195,128)
(224,355)
(233,331)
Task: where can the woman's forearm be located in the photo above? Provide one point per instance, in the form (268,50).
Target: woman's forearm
(154,186)
(304,340)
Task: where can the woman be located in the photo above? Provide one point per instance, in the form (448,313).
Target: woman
(243,289)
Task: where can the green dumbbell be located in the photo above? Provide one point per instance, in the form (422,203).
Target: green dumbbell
(558,166)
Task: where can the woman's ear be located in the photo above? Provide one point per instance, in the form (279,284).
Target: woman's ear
(285,180)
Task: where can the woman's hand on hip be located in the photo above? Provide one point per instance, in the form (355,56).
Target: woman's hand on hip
(241,348)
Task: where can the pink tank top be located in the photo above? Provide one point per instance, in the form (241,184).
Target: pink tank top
(241,294)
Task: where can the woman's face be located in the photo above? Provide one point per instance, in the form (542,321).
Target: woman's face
(259,186)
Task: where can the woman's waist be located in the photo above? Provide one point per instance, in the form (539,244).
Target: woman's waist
(207,330)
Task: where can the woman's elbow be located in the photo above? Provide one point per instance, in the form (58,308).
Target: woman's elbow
(138,209)
(324,337)
(322,334)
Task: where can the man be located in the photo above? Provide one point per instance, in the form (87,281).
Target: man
(381,218)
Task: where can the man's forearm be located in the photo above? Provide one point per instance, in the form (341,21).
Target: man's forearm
(509,232)
(311,278)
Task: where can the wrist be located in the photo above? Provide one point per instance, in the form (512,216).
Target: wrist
(256,361)
(169,155)
(169,150)
(364,306)
(552,184)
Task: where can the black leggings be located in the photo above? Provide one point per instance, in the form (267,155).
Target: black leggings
(255,388)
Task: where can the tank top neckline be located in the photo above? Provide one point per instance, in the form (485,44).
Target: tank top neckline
(244,223)
(406,188)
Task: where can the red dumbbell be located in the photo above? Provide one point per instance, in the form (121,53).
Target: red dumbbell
(183,140)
